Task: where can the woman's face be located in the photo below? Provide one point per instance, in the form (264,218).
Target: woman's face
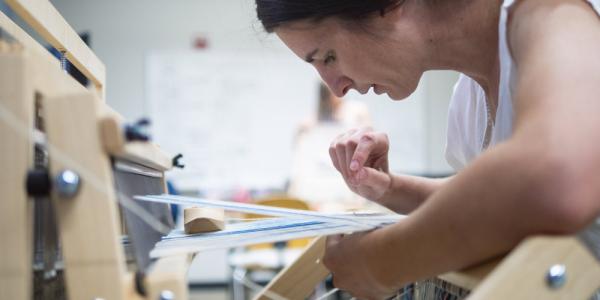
(387,56)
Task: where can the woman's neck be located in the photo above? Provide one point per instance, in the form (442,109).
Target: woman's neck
(466,40)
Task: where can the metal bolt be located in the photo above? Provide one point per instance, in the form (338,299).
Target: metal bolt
(556,276)
(67,184)
(166,295)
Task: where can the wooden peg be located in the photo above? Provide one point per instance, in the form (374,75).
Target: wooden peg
(203,219)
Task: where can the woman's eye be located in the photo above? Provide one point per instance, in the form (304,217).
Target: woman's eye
(329,58)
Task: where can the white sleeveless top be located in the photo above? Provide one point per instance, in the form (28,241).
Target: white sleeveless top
(468,116)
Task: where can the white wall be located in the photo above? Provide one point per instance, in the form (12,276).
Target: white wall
(123,32)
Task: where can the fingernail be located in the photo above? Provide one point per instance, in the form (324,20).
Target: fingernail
(354,165)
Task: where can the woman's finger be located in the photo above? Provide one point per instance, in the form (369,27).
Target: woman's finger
(333,156)
(363,150)
(351,140)
(350,148)
(333,151)
(340,150)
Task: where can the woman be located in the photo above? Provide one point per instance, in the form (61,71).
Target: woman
(523,124)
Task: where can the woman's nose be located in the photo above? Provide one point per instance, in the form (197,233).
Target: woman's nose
(338,84)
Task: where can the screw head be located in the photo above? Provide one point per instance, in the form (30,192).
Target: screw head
(67,183)
(166,295)
(556,276)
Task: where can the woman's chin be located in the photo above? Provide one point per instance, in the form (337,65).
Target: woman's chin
(379,90)
(401,93)
(397,96)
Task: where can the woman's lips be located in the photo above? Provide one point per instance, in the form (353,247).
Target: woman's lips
(377,89)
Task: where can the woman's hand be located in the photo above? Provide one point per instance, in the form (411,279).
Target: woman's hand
(361,156)
(349,259)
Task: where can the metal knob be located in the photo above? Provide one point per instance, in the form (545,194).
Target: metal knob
(67,183)
(556,276)
(166,295)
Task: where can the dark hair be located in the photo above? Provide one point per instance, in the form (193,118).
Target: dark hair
(274,13)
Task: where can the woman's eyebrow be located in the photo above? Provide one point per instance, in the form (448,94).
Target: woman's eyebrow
(310,56)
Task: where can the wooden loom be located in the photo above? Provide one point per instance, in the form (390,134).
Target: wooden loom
(523,274)
(81,134)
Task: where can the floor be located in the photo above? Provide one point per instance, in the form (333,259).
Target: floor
(209,294)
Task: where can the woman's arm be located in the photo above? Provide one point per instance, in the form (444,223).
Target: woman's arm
(543,180)
(407,192)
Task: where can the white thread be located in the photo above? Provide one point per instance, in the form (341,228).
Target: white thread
(248,219)
(333,291)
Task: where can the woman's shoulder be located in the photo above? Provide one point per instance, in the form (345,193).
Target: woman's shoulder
(534,26)
(532,20)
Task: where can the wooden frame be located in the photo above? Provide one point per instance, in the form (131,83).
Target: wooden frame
(74,119)
(88,223)
(48,22)
(111,127)
(298,280)
(20,80)
(16,155)
(522,274)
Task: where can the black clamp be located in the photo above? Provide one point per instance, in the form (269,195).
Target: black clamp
(138,131)
(176,162)
(38,182)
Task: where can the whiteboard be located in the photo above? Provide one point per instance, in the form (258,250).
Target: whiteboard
(233,116)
